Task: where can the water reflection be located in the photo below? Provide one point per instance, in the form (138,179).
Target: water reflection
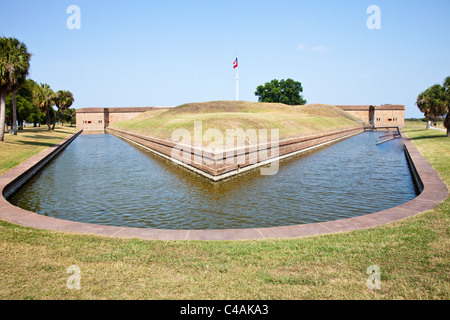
(105,180)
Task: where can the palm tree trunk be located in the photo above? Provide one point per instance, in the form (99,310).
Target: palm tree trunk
(49,125)
(56,119)
(14,114)
(447,123)
(2,116)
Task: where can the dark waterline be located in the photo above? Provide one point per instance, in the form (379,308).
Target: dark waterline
(102,179)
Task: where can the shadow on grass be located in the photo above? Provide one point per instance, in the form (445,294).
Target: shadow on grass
(429,137)
(40,137)
(413,130)
(32,130)
(42,129)
(39,144)
(44,137)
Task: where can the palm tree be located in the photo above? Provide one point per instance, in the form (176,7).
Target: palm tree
(432,102)
(43,98)
(447,98)
(63,100)
(14,66)
(23,57)
(69,114)
(72,113)
(424,106)
(68,101)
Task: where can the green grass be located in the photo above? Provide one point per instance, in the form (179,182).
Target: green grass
(28,142)
(291,121)
(434,145)
(413,255)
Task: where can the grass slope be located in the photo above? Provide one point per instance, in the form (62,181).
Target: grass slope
(413,255)
(29,142)
(292,121)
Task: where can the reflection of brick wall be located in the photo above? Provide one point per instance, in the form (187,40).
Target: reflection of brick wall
(216,166)
(97,119)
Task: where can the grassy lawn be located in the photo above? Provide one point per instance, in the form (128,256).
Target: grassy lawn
(27,143)
(413,255)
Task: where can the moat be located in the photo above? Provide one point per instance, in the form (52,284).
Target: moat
(102,179)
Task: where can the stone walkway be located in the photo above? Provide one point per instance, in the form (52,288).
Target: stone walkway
(434,191)
(434,128)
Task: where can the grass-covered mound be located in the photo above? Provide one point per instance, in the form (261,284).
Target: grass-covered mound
(292,121)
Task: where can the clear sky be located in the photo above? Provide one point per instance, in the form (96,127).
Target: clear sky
(165,53)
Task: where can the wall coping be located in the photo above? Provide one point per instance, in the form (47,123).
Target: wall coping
(118,109)
(368,107)
(433,192)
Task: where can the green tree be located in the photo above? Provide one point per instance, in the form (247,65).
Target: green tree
(14,66)
(24,100)
(43,98)
(63,100)
(447,98)
(68,115)
(434,102)
(36,118)
(23,109)
(424,106)
(283,91)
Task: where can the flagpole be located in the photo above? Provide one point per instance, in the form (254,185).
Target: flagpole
(237,78)
(237,84)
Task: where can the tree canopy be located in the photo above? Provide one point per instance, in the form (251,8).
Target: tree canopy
(43,98)
(283,91)
(63,99)
(26,111)
(21,99)
(14,66)
(434,102)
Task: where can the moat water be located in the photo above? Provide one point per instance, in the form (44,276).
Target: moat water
(105,180)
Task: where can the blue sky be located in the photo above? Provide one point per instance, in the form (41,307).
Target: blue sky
(165,53)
